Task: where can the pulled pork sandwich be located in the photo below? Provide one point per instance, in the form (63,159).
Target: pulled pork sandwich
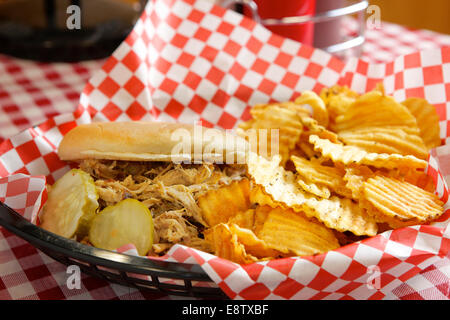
(139,183)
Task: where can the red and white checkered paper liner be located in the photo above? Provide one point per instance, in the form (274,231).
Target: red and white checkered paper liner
(191,61)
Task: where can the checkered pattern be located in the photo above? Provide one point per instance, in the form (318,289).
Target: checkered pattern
(442,156)
(189,53)
(31,92)
(24,194)
(390,41)
(27,273)
(346,273)
(204,57)
(431,284)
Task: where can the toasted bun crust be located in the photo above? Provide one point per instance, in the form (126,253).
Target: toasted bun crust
(151,141)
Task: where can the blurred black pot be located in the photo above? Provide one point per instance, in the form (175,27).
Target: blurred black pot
(65,30)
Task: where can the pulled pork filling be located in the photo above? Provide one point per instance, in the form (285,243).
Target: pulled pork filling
(169,190)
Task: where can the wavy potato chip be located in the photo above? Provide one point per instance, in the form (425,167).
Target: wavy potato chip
(313,127)
(337,100)
(259,196)
(316,189)
(244,219)
(220,204)
(313,172)
(293,106)
(305,147)
(349,155)
(275,181)
(343,214)
(374,109)
(355,177)
(390,140)
(356,168)
(319,110)
(376,123)
(401,200)
(418,178)
(254,245)
(282,187)
(225,244)
(298,152)
(427,120)
(289,231)
(274,129)
(238,244)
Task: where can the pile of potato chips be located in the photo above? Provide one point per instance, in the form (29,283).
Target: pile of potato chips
(348,166)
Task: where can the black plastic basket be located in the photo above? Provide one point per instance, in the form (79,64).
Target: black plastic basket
(113,266)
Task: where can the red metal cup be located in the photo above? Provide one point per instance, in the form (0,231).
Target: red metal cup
(271,10)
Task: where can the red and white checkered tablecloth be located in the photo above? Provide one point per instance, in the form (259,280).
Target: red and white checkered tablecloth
(31,92)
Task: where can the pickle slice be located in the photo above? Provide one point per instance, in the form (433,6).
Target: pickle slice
(71,205)
(127,222)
